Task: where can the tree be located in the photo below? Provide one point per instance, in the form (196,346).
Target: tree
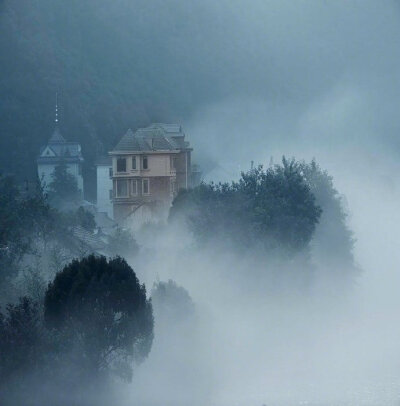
(101,310)
(273,209)
(333,241)
(171,301)
(63,187)
(21,218)
(21,339)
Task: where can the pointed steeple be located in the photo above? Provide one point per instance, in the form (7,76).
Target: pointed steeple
(56,136)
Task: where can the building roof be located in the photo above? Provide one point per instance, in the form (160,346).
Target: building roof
(56,137)
(89,239)
(59,149)
(103,161)
(156,137)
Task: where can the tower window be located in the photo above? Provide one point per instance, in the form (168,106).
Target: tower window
(133,162)
(145,163)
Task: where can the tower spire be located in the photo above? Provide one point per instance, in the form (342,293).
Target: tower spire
(56,120)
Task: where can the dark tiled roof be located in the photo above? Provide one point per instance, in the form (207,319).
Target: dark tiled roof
(56,137)
(66,149)
(62,149)
(89,239)
(156,137)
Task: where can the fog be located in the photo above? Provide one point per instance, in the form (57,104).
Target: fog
(333,87)
(250,345)
(315,79)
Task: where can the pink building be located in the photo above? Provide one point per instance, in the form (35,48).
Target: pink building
(149,167)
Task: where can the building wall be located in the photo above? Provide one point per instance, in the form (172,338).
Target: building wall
(158,165)
(104,187)
(164,171)
(182,167)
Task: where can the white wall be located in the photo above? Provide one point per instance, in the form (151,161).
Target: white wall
(104,185)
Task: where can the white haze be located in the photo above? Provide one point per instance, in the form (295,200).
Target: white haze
(249,346)
(333,76)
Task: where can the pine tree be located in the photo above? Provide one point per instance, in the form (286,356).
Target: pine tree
(63,187)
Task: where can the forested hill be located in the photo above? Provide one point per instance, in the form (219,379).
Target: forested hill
(115,64)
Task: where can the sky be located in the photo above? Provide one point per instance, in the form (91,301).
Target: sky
(305,78)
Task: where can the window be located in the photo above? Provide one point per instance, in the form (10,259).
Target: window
(173,187)
(134,187)
(146,187)
(110,172)
(121,165)
(174,162)
(133,162)
(110,193)
(145,163)
(122,188)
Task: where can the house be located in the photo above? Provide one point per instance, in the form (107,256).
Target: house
(104,185)
(149,167)
(56,152)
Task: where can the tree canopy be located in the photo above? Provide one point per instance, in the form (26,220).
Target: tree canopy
(333,241)
(63,188)
(21,339)
(171,301)
(23,216)
(271,208)
(99,305)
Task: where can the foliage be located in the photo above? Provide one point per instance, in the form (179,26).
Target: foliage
(333,241)
(63,187)
(171,300)
(29,227)
(272,208)
(100,308)
(21,339)
(22,218)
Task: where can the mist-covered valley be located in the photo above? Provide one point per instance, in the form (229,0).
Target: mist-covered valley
(280,288)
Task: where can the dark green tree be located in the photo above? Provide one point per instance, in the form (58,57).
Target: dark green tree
(22,218)
(63,187)
(272,209)
(171,301)
(21,340)
(333,241)
(100,309)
